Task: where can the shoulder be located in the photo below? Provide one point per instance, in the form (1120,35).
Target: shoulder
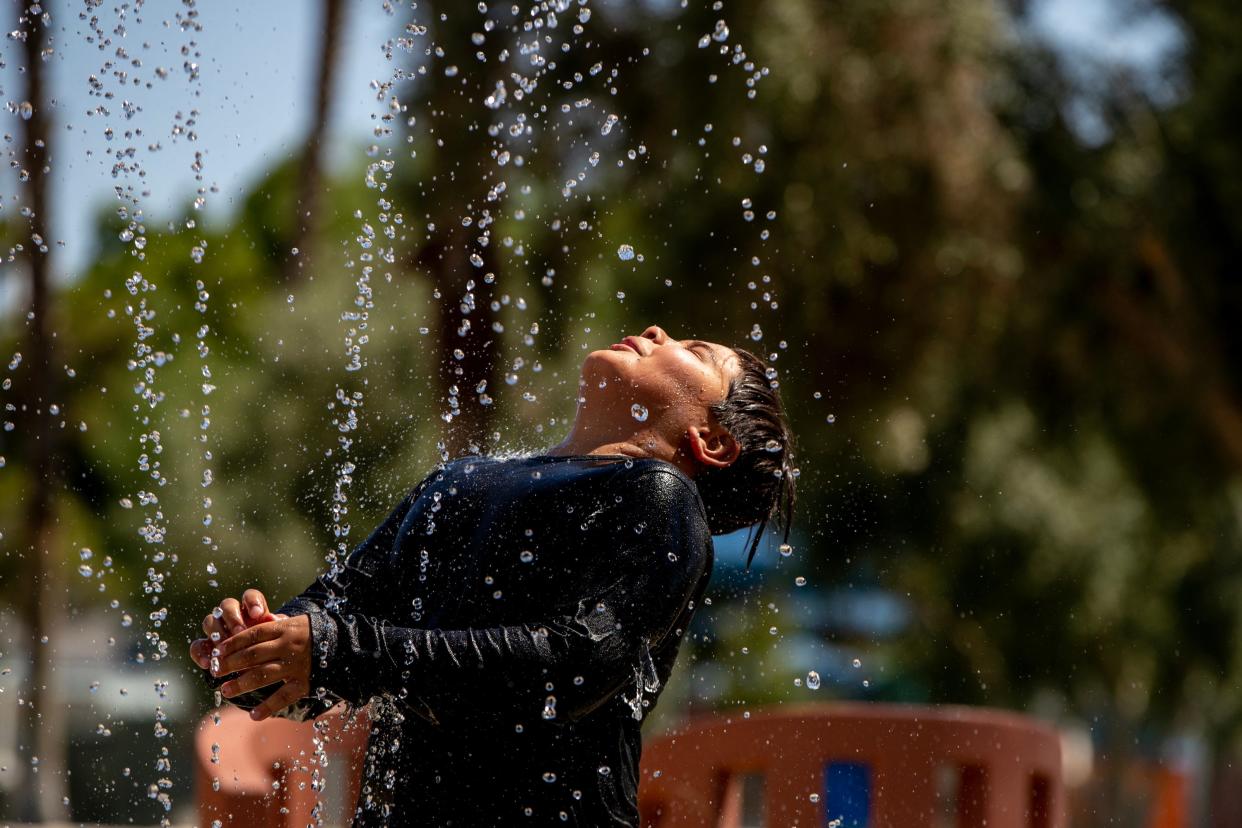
(667,480)
(664,491)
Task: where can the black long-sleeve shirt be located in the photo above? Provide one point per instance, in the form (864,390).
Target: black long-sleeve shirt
(516,617)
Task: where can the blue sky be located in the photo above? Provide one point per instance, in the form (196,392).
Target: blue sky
(1094,38)
(256,75)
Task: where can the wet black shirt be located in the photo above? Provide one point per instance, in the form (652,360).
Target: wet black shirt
(516,618)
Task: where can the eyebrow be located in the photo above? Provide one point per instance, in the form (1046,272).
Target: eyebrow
(711,352)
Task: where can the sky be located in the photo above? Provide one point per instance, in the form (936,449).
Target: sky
(254,93)
(1094,38)
(255,82)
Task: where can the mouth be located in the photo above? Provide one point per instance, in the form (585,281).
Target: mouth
(626,345)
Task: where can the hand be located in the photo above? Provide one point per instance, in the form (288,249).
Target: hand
(270,652)
(232,620)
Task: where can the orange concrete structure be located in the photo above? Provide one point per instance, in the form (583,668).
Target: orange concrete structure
(915,767)
(866,765)
(264,770)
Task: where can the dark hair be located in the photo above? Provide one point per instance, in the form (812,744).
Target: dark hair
(759,485)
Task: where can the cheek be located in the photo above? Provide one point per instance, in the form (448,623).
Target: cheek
(680,378)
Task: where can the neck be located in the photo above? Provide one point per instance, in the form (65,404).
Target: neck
(594,438)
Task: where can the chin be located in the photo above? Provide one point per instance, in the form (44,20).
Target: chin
(607,356)
(606,364)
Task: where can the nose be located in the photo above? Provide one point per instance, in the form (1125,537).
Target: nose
(656,334)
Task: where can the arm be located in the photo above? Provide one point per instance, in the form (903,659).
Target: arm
(588,647)
(562,665)
(352,583)
(300,697)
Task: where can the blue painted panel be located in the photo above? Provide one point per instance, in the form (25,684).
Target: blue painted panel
(847,794)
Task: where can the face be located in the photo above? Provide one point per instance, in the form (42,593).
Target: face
(673,379)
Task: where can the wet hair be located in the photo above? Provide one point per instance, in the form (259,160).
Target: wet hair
(758,486)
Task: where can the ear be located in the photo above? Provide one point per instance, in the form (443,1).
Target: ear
(712,446)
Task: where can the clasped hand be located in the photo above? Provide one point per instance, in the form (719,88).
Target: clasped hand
(264,648)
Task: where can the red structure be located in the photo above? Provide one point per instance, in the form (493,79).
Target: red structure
(873,765)
(261,773)
(861,765)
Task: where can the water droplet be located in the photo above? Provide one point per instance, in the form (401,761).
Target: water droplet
(638,412)
(800,581)
(812,680)
(625,252)
(772,446)
(857,663)
(527,556)
(786,550)
(832,418)
(25,110)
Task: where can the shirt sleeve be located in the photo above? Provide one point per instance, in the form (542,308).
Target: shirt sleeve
(353,582)
(577,656)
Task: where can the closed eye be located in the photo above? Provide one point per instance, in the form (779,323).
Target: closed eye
(705,348)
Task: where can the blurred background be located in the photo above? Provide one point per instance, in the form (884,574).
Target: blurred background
(265,264)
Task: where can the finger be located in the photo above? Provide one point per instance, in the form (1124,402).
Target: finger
(267,651)
(280,616)
(232,616)
(282,698)
(262,619)
(251,680)
(255,603)
(200,651)
(248,638)
(211,624)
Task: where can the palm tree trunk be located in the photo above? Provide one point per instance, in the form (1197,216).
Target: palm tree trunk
(310,171)
(41,732)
